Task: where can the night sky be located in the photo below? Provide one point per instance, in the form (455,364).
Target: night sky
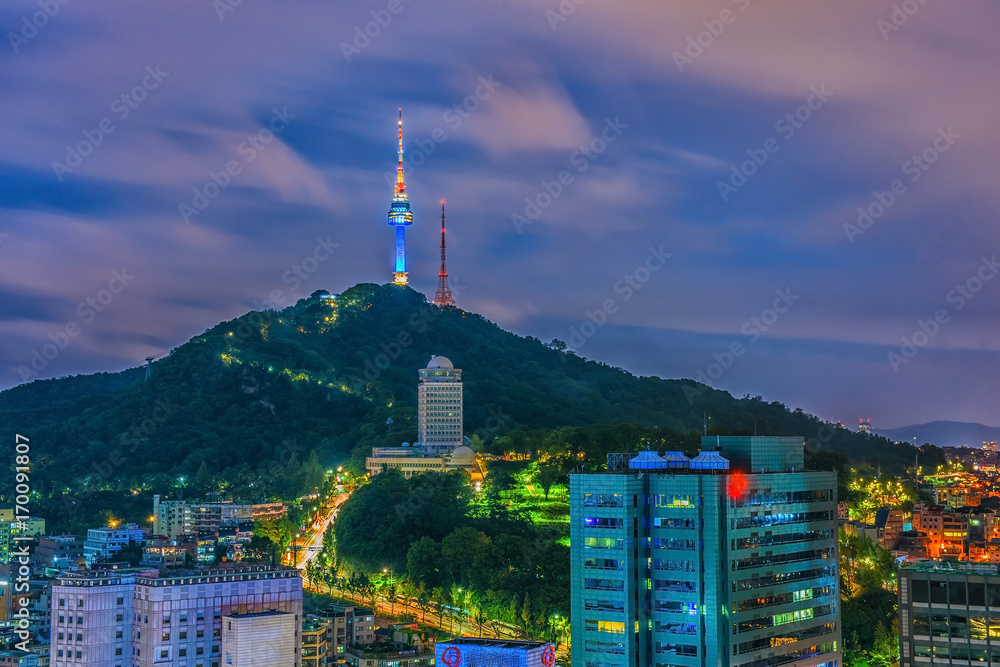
(689,173)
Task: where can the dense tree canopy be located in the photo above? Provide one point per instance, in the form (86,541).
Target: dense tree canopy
(427,529)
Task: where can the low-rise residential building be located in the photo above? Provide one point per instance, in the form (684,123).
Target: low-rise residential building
(38,600)
(914,544)
(18,659)
(103,543)
(407,649)
(201,548)
(314,642)
(162,554)
(889,523)
(985,552)
(861,529)
(42,651)
(346,625)
(58,552)
(954,536)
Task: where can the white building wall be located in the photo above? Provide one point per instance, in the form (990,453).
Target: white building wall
(260,640)
(439,410)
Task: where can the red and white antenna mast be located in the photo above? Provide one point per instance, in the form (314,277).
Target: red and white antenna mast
(442,297)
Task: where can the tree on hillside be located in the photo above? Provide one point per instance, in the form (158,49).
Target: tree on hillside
(313,474)
(203,482)
(460,550)
(423,560)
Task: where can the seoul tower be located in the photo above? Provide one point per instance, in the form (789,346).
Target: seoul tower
(400,215)
(443,295)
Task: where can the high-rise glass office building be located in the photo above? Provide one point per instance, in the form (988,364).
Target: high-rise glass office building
(727,558)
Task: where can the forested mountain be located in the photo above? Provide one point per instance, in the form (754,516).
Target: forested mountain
(256,397)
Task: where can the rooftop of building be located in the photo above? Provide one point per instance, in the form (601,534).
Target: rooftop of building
(719,455)
(494,643)
(255,614)
(103,574)
(387,650)
(312,624)
(117,528)
(951,566)
(340,610)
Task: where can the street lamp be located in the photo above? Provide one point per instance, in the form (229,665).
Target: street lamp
(389,591)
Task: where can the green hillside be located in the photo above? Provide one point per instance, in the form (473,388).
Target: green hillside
(256,397)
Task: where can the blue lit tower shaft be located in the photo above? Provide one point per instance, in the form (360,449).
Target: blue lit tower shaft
(400,215)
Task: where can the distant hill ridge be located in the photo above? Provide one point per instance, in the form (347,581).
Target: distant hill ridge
(944,434)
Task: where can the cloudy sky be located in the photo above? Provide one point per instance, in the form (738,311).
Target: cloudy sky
(689,173)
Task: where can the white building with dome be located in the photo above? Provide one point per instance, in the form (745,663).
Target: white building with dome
(439,407)
(441,443)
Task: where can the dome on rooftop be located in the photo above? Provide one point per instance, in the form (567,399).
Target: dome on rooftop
(463,455)
(443,363)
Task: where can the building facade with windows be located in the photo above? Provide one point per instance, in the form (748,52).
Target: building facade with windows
(728,558)
(343,626)
(12,527)
(439,407)
(949,614)
(58,552)
(174,518)
(103,543)
(140,618)
(314,644)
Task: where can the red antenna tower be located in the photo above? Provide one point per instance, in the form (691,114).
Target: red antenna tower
(442,297)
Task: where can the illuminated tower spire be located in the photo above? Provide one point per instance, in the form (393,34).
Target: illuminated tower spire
(443,295)
(399,214)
